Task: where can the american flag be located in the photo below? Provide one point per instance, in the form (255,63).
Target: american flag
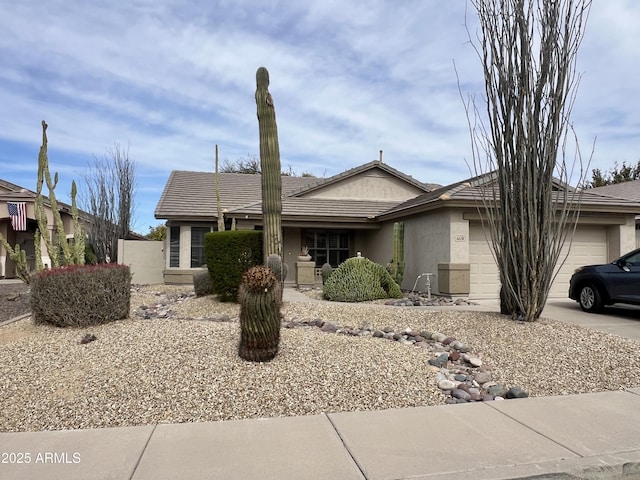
(18,214)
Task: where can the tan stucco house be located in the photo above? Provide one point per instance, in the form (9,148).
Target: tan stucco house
(22,231)
(355,211)
(627,190)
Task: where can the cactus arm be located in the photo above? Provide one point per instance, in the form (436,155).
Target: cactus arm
(37,240)
(78,230)
(270,165)
(218,205)
(40,213)
(19,258)
(70,255)
(44,176)
(397,264)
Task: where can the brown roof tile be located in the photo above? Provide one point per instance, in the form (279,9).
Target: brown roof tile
(629,190)
(189,195)
(470,193)
(321,208)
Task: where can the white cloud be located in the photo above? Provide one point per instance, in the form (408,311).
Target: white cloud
(348,79)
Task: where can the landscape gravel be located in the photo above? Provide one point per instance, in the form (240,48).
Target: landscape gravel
(185,367)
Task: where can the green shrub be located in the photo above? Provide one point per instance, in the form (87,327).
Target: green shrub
(229,254)
(81,295)
(202,283)
(359,279)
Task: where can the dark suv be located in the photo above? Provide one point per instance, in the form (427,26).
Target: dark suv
(616,282)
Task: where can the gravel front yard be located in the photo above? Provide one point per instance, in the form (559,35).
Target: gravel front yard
(140,371)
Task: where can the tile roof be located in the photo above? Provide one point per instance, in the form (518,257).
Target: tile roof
(189,195)
(629,190)
(470,193)
(12,192)
(301,208)
(11,187)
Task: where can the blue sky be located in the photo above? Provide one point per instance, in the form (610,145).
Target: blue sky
(170,79)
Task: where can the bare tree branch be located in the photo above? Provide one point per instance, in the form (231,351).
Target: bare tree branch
(108,196)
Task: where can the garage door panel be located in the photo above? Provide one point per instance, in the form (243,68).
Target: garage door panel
(485,281)
(588,247)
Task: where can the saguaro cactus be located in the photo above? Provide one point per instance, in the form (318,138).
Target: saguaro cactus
(270,165)
(218,204)
(259,297)
(396,267)
(275,263)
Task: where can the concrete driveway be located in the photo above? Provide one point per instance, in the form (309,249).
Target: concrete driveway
(619,319)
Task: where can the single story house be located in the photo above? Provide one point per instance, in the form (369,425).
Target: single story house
(18,225)
(354,211)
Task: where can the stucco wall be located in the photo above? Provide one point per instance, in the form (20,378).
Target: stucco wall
(6,265)
(291,249)
(144,258)
(376,245)
(622,238)
(430,240)
(372,184)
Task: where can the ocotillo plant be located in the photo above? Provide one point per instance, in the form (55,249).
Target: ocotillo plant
(396,267)
(259,298)
(270,165)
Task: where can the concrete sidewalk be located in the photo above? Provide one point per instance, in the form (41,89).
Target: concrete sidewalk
(588,436)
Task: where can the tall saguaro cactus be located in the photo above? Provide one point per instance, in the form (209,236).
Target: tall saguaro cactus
(270,165)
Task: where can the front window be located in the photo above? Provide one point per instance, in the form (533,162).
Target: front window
(327,246)
(174,247)
(197,246)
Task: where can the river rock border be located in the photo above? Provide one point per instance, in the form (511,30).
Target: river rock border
(420,300)
(461,375)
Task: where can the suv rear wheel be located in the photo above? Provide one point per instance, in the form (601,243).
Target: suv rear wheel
(590,299)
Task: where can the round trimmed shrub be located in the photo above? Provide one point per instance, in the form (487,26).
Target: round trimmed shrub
(202,283)
(81,295)
(359,279)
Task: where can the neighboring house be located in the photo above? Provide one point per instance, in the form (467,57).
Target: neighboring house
(355,212)
(627,190)
(18,225)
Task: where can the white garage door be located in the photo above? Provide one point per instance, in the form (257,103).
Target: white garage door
(589,247)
